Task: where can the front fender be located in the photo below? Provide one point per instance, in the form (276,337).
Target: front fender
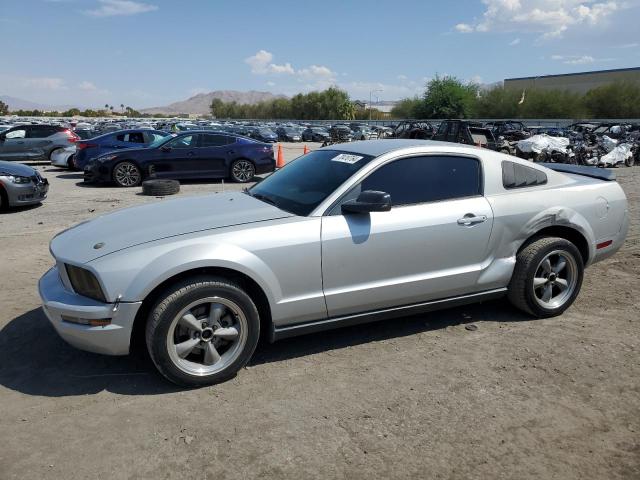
(132,274)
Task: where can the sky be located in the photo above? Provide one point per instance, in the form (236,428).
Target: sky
(153,52)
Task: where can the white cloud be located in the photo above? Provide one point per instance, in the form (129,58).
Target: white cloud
(112,8)
(549,18)
(44,83)
(261,64)
(87,86)
(629,45)
(315,76)
(579,59)
(514,42)
(464,28)
(271,84)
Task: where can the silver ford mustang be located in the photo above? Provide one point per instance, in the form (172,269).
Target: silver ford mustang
(346,234)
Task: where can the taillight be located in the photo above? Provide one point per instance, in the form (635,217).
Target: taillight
(71,137)
(83,145)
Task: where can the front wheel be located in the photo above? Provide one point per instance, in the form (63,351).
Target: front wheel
(547,277)
(202,331)
(127,174)
(242,171)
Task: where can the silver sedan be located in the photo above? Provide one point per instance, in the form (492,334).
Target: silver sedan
(21,185)
(346,234)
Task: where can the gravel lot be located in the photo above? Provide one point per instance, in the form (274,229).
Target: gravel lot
(421,397)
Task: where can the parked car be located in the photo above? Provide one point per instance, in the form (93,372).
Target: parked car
(414,130)
(315,134)
(362,132)
(264,135)
(5,127)
(63,157)
(188,155)
(34,142)
(510,130)
(21,185)
(339,236)
(288,134)
(469,133)
(94,147)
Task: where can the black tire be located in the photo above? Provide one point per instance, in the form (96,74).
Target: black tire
(4,199)
(70,164)
(528,262)
(160,187)
(242,170)
(136,174)
(629,162)
(165,311)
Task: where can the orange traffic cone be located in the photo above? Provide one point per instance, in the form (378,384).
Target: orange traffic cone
(305,151)
(280,159)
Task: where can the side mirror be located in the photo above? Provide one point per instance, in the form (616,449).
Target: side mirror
(165,149)
(368,201)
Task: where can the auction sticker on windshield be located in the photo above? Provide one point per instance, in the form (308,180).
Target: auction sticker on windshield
(346,158)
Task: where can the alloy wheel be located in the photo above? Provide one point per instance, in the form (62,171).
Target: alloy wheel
(243,170)
(207,336)
(555,279)
(127,174)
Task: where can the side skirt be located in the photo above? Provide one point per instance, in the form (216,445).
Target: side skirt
(278,333)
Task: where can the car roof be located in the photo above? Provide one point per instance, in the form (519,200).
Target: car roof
(380,147)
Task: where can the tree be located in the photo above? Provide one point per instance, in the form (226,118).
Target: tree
(122,107)
(616,100)
(448,97)
(407,108)
(4,108)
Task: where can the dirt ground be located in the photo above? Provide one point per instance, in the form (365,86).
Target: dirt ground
(420,397)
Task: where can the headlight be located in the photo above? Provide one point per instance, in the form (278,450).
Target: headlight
(85,283)
(19,179)
(105,158)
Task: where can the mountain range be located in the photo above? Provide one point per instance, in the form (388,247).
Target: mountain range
(21,104)
(199,104)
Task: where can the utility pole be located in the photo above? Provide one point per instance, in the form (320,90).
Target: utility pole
(371,92)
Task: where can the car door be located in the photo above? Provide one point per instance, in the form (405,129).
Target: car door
(176,158)
(430,245)
(12,143)
(212,154)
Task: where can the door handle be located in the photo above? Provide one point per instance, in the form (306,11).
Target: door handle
(191,154)
(231,152)
(471,219)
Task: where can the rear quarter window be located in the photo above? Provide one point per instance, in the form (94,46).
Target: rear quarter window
(515,175)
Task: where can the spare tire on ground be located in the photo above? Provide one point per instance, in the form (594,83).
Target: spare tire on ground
(160,188)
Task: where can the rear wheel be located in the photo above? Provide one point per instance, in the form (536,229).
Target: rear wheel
(202,331)
(242,171)
(547,277)
(127,174)
(52,152)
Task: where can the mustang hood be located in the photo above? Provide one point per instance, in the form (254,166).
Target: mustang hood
(169,218)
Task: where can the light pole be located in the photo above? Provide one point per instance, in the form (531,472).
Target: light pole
(371,92)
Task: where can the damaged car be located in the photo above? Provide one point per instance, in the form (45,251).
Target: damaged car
(347,234)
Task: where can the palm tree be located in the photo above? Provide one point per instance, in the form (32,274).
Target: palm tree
(122,107)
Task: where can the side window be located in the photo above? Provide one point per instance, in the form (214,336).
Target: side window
(216,140)
(19,133)
(515,175)
(186,141)
(426,179)
(442,129)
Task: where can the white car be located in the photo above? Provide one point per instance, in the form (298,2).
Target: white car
(63,157)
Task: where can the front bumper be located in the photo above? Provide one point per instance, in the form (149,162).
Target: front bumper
(26,193)
(96,173)
(58,302)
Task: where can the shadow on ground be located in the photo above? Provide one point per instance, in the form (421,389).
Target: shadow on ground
(34,360)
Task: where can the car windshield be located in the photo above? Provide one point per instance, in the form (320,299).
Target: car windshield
(265,131)
(303,184)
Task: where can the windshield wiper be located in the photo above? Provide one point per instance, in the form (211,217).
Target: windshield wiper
(264,198)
